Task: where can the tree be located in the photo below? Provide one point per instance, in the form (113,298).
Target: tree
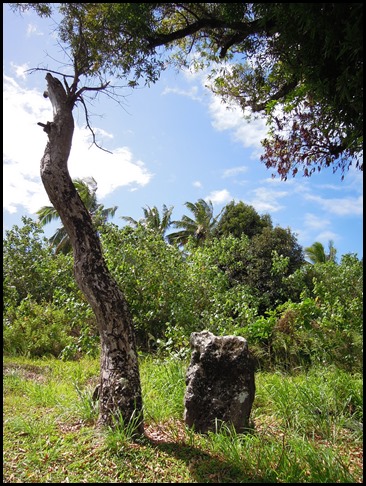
(298,64)
(264,264)
(155,279)
(119,386)
(337,293)
(87,190)
(317,254)
(153,220)
(240,218)
(303,74)
(200,228)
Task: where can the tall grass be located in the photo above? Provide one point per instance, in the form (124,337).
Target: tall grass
(307,427)
(163,387)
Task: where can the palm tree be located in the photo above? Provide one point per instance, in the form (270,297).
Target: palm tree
(317,254)
(86,188)
(200,228)
(153,220)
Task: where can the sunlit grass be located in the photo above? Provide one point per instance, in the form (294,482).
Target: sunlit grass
(306,428)
(163,384)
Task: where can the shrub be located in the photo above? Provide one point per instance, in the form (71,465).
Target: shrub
(36,330)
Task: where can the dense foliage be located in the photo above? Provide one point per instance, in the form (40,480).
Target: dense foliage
(293,313)
(44,311)
(240,218)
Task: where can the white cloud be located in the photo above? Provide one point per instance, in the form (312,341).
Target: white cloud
(24,144)
(33,30)
(248,133)
(219,197)
(306,237)
(313,221)
(309,231)
(21,190)
(109,170)
(325,236)
(346,206)
(234,171)
(20,70)
(266,200)
(197,184)
(354,179)
(189,93)
(225,117)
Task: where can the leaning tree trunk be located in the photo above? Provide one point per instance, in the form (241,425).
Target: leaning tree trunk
(119,389)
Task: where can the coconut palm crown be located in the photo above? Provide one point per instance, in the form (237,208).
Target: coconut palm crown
(200,228)
(152,219)
(87,188)
(316,252)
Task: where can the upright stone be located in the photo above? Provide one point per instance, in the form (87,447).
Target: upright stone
(220,382)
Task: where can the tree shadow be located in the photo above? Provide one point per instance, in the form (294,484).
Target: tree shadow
(205,467)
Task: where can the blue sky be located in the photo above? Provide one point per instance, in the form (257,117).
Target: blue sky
(173,142)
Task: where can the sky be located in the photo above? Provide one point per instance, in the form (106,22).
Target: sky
(171,143)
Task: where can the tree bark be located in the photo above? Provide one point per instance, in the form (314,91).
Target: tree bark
(119,388)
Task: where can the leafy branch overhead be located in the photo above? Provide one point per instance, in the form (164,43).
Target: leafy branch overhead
(299,64)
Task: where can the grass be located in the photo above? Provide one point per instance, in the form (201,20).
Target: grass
(306,428)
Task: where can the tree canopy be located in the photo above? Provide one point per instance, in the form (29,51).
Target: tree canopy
(240,218)
(299,64)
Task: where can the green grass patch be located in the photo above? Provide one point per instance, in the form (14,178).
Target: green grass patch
(306,428)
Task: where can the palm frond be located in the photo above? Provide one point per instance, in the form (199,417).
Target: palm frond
(86,188)
(200,227)
(47,214)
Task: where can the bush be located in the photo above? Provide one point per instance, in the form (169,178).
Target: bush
(155,280)
(36,330)
(302,335)
(172,293)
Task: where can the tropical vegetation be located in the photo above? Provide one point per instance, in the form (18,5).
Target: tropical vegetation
(303,323)
(87,189)
(144,290)
(317,254)
(258,286)
(152,219)
(199,228)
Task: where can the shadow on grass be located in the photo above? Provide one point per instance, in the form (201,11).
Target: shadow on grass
(207,468)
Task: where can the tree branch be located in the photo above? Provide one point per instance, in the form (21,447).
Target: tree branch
(31,70)
(90,128)
(86,88)
(243,29)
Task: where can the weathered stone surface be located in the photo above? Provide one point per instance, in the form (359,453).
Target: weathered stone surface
(220,382)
